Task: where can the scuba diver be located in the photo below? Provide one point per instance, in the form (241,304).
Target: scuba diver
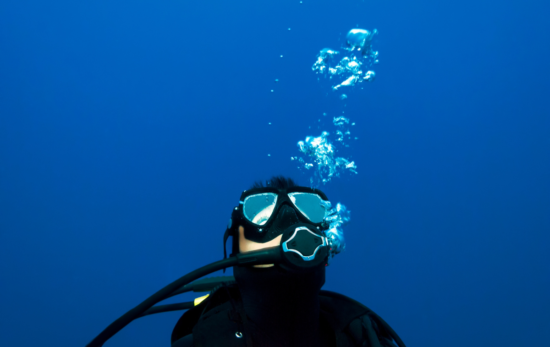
(280,251)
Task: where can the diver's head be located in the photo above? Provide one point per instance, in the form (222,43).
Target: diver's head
(266,211)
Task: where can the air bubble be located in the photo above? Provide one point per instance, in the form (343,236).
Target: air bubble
(350,67)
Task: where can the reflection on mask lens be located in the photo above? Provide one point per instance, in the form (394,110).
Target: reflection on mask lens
(310,206)
(258,208)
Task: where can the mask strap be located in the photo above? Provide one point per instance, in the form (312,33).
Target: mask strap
(225,237)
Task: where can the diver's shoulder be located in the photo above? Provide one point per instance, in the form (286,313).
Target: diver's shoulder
(355,319)
(212,304)
(340,309)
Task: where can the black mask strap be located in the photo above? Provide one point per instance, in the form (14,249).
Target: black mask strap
(225,237)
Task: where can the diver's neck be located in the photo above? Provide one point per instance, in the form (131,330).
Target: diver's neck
(283,308)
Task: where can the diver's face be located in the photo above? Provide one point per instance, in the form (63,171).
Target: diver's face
(249,246)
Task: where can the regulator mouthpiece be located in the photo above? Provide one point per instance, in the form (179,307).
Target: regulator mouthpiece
(303,248)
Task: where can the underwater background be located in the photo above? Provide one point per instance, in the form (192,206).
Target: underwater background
(128,130)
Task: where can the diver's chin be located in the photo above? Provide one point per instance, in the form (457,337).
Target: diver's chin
(263,266)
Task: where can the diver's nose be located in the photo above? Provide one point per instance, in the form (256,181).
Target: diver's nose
(286,217)
(287,214)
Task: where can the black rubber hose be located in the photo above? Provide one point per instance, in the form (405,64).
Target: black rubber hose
(168,308)
(264,256)
(162,294)
(204,285)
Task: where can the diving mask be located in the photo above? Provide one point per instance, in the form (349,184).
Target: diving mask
(266,213)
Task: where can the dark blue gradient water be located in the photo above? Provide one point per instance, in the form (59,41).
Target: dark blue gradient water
(128,130)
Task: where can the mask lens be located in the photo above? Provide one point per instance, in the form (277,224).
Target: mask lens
(258,208)
(310,206)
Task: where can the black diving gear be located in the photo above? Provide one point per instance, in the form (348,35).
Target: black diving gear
(278,306)
(282,302)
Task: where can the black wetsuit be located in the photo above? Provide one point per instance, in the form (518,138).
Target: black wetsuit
(270,307)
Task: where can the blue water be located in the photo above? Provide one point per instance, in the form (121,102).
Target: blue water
(128,130)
